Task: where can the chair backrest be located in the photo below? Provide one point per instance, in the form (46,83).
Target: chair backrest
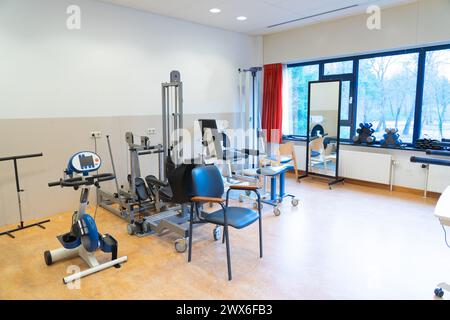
(317,144)
(207,182)
(287,150)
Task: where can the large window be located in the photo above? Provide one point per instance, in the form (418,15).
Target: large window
(387,93)
(436,96)
(295,112)
(408,90)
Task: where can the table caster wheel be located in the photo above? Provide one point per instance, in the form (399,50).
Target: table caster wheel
(217,233)
(181,245)
(294,202)
(277,211)
(248,193)
(438,292)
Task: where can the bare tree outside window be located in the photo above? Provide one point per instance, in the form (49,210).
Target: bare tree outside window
(387,93)
(436,96)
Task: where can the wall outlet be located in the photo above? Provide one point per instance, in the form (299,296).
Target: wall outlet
(96,134)
(151,131)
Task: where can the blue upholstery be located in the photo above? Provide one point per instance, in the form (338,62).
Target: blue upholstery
(315,153)
(237,217)
(207,182)
(285,159)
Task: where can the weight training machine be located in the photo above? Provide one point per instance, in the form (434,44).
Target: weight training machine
(136,202)
(83,239)
(156,205)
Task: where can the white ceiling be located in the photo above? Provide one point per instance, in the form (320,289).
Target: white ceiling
(260,13)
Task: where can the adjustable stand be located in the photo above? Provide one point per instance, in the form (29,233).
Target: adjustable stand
(19,190)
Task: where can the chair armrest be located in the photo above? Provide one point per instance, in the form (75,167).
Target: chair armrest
(237,187)
(207,199)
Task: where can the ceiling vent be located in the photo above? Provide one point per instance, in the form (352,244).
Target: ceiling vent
(312,16)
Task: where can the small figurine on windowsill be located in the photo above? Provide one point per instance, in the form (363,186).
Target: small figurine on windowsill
(391,139)
(365,134)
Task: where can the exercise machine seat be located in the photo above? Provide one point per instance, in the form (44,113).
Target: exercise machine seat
(141,189)
(166,192)
(237,217)
(152,180)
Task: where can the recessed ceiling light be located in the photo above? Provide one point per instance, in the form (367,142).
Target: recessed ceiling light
(215,10)
(241,18)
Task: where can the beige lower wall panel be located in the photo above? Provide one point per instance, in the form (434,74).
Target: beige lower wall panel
(58,139)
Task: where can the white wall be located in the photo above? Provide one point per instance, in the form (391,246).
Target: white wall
(115,64)
(422,23)
(56,86)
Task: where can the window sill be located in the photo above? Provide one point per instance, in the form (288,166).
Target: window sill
(358,145)
(377,146)
(294,138)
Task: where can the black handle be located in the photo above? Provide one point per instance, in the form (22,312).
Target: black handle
(54,184)
(79,181)
(105,177)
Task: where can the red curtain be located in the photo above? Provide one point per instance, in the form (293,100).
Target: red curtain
(272,110)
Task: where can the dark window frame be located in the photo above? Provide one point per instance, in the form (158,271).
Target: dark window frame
(422,51)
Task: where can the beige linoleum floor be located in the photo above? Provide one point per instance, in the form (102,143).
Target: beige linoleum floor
(349,243)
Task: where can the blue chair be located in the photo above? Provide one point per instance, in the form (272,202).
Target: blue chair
(208,187)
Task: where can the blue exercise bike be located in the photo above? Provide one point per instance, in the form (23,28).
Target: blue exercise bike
(84,240)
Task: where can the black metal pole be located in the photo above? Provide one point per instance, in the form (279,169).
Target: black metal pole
(19,190)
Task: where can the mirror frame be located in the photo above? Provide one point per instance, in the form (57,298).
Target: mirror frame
(308,137)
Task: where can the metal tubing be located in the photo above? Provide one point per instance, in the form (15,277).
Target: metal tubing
(95,269)
(34,155)
(282,181)
(273,188)
(114,171)
(21,226)
(427,174)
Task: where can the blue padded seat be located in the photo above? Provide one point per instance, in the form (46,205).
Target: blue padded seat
(237,217)
(315,153)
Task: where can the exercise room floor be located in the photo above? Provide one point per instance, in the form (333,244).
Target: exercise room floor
(349,243)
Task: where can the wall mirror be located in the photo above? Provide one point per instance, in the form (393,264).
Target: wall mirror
(322,152)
